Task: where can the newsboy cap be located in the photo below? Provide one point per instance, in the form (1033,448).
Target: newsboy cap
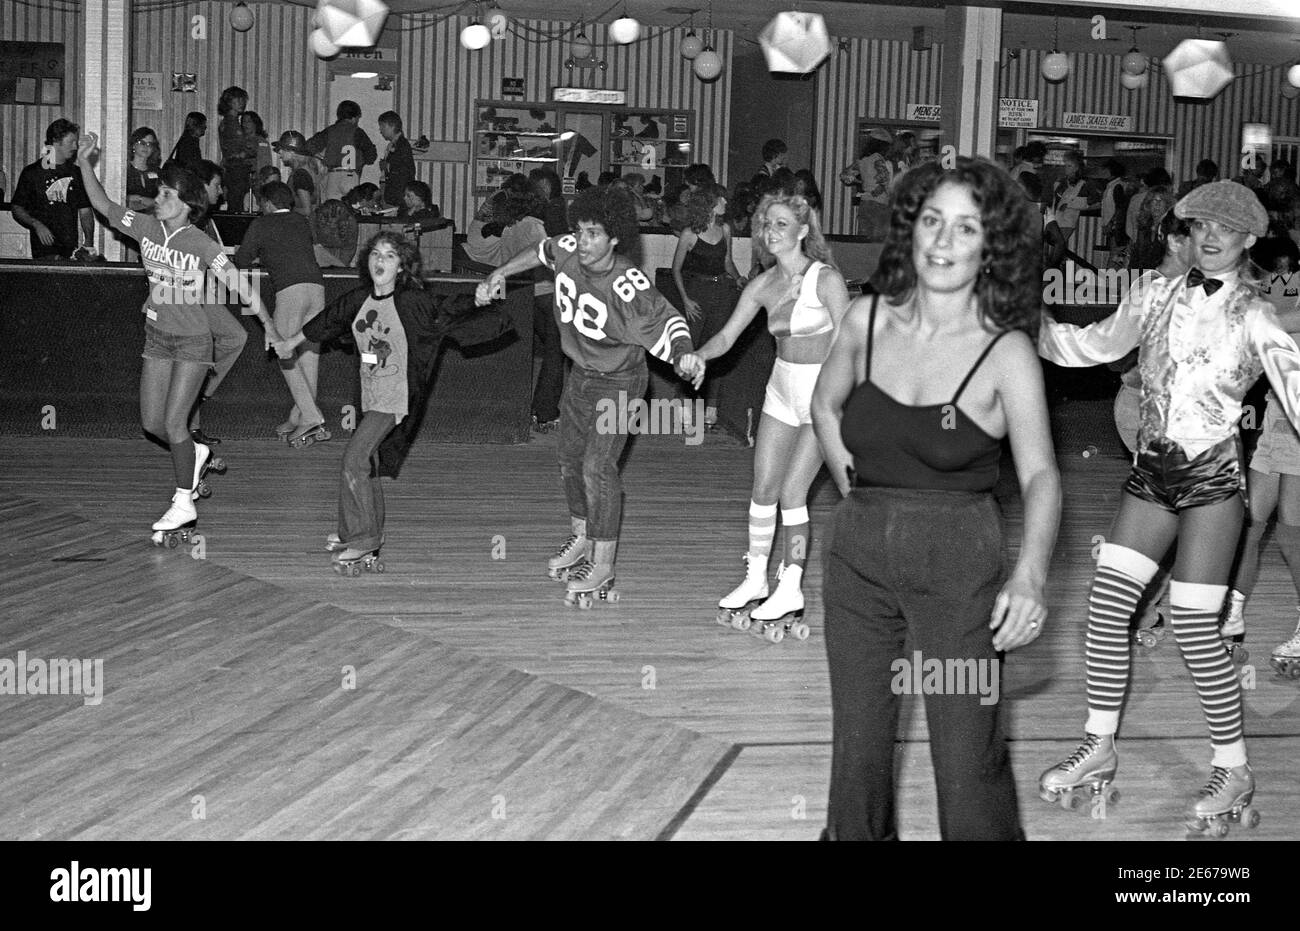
(1234,205)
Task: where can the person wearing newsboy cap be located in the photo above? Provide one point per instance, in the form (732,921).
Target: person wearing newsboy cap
(1204,339)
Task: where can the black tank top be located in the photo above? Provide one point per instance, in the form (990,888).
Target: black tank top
(706,258)
(931,446)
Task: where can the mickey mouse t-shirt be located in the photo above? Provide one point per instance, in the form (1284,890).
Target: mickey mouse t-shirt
(381,342)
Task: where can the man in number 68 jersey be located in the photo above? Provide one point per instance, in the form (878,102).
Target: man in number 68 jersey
(609,315)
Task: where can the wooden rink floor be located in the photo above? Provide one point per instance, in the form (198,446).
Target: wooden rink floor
(480,705)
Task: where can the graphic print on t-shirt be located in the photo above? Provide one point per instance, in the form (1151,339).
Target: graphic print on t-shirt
(376,349)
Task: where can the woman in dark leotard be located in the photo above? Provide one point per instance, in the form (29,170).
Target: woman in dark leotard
(910,409)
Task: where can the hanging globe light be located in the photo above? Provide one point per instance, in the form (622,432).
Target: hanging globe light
(580,47)
(1056,66)
(1290,91)
(707,65)
(241,18)
(1133,81)
(692,45)
(624,30)
(1134,62)
(322,45)
(475,36)
(1293,76)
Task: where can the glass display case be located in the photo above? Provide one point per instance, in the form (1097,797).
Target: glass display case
(510,138)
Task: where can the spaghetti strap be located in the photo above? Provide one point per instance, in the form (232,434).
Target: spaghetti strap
(871,332)
(978,362)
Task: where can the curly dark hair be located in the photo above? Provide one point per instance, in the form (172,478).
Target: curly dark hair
(613,208)
(697,207)
(189,188)
(408,275)
(1009,291)
(228,98)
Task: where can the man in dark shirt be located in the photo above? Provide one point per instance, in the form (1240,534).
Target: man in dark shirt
(399,161)
(345,149)
(50,200)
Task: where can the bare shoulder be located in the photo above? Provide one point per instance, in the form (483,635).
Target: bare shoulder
(1015,358)
(829,279)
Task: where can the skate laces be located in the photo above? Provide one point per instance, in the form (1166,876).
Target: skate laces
(1219,777)
(568,546)
(1085,750)
(582,572)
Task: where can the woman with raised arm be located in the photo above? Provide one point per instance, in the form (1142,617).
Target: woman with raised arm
(178,343)
(925,381)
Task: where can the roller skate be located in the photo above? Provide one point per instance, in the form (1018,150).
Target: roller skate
(734,608)
(333,544)
(199,437)
(545,426)
(1092,767)
(285,429)
(305,436)
(1286,657)
(1225,800)
(571,554)
(179,523)
(351,561)
(782,613)
(593,580)
(1233,627)
(205,462)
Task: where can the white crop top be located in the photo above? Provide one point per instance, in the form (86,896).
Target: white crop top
(804,316)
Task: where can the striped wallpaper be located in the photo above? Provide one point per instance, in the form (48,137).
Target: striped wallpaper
(22,128)
(877,79)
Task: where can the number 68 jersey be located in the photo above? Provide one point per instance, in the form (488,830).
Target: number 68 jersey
(607,319)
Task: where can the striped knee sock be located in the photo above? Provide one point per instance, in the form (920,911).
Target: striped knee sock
(1121,576)
(1194,611)
(762,528)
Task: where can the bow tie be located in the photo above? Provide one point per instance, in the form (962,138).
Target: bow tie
(1197,277)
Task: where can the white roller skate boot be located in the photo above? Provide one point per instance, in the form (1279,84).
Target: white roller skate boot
(201,456)
(1233,627)
(1092,767)
(594,580)
(1225,800)
(734,608)
(178,523)
(1286,656)
(782,613)
(571,554)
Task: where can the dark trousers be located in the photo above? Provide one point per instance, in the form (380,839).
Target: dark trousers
(550,380)
(914,571)
(593,433)
(361,496)
(717,299)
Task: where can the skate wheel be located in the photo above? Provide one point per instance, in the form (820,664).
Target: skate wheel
(379,567)
(742,622)
(1069,801)
(217,464)
(172,542)
(612,596)
(204,490)
(1145,638)
(1250,817)
(724,617)
(356,570)
(774,634)
(1220,829)
(799,631)
(1240,654)
(1112,797)
(584,601)
(1294,671)
(570,598)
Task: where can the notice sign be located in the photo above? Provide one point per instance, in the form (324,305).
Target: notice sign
(1017,113)
(923,112)
(31,73)
(1097,122)
(146,90)
(512,87)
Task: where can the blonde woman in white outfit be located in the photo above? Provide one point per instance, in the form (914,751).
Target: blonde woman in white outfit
(806,298)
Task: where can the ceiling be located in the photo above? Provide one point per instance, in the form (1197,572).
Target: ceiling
(1026,23)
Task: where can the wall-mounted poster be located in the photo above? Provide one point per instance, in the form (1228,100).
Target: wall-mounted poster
(185,82)
(31,73)
(147,90)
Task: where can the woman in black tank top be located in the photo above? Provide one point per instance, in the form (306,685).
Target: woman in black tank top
(922,385)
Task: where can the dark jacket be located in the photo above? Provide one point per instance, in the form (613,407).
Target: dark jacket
(428,319)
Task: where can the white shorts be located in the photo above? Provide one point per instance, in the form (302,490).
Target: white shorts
(1278,451)
(790,390)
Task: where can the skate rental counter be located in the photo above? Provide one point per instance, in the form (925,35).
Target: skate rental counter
(72,335)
